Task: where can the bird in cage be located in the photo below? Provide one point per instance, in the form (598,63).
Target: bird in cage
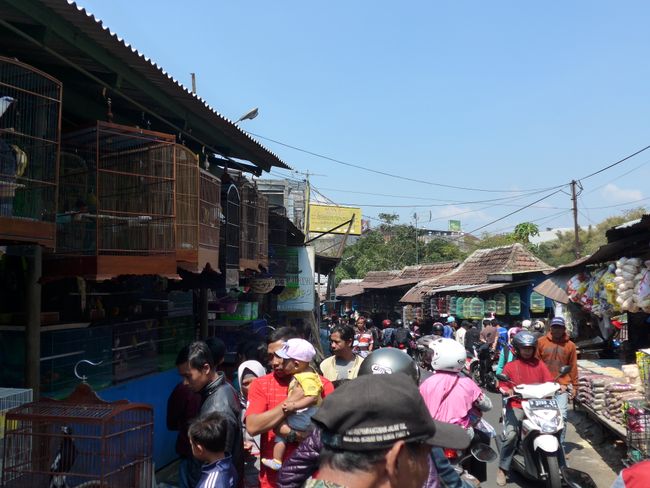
(5,103)
(64,459)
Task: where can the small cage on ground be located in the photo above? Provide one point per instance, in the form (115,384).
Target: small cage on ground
(10,398)
(79,441)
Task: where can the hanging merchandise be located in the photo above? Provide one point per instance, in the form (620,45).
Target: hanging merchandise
(477,308)
(628,275)
(460,308)
(537,302)
(514,301)
(500,300)
(490,306)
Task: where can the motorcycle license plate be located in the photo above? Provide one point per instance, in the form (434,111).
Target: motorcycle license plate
(542,404)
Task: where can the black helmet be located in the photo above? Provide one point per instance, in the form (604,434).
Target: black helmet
(523,339)
(399,323)
(369,322)
(389,361)
(438,329)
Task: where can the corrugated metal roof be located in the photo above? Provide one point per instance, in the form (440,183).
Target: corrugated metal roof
(243,145)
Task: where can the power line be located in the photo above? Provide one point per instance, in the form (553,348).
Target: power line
(618,177)
(618,205)
(615,163)
(392,175)
(515,211)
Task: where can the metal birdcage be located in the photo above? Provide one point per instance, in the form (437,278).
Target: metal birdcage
(277,244)
(254,227)
(198,208)
(81,441)
(10,398)
(30,128)
(230,237)
(116,200)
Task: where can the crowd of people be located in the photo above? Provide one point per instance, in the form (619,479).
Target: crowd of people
(367,415)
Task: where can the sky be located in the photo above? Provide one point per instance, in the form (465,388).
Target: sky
(506,101)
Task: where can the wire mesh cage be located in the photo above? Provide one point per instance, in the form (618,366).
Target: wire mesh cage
(643,362)
(187,203)
(116,195)
(10,398)
(209,219)
(277,244)
(637,420)
(81,441)
(30,127)
(254,227)
(230,237)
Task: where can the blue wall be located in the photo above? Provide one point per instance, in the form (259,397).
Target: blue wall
(154,390)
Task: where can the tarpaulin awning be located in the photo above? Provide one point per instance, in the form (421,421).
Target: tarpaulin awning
(554,287)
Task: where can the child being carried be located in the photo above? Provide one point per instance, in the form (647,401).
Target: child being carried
(304,396)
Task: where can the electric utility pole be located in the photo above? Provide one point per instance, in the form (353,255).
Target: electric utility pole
(576,229)
(417,259)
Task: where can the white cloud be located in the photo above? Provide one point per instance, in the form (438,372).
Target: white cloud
(614,194)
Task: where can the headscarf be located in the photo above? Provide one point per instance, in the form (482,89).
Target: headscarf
(246,368)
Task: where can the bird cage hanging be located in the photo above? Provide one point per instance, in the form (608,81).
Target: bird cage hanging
(467,308)
(278,244)
(500,301)
(491,306)
(81,441)
(514,304)
(460,309)
(30,129)
(209,219)
(477,308)
(452,305)
(537,302)
(116,202)
(230,235)
(254,228)
(198,206)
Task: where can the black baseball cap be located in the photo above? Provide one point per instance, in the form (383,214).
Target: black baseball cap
(374,411)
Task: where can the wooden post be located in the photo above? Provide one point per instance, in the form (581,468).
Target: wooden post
(33,314)
(203,313)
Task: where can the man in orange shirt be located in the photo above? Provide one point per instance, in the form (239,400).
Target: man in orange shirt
(265,398)
(556,349)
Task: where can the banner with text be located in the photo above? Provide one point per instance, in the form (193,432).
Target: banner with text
(323,218)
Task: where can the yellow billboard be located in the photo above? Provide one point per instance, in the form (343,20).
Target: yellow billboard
(324,218)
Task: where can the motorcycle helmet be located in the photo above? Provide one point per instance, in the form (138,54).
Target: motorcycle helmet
(513,332)
(399,323)
(526,324)
(389,361)
(386,323)
(437,329)
(523,339)
(369,322)
(538,326)
(448,355)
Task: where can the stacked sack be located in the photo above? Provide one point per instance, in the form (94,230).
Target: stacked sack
(630,273)
(592,390)
(618,395)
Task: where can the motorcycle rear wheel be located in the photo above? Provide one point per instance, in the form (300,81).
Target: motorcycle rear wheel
(552,468)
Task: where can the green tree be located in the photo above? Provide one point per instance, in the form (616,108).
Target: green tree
(523,232)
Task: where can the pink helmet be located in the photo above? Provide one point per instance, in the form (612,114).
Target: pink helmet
(513,331)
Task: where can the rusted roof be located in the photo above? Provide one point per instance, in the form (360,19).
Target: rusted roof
(419,291)
(349,288)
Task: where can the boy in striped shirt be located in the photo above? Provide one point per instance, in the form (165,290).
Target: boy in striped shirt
(208,440)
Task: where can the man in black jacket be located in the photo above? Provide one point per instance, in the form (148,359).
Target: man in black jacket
(198,370)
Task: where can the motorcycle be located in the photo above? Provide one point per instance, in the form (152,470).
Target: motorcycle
(539,453)
(464,462)
(481,366)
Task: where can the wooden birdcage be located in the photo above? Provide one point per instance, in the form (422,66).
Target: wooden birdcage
(116,203)
(277,245)
(230,237)
(198,209)
(30,128)
(254,228)
(81,441)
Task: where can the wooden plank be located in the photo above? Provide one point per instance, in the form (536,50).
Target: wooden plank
(27,230)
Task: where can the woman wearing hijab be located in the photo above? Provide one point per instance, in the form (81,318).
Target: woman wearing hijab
(247,372)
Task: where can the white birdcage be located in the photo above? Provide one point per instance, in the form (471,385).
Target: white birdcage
(10,398)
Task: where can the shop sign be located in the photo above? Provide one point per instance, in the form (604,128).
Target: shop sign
(298,294)
(324,218)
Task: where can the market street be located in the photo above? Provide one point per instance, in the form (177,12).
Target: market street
(602,463)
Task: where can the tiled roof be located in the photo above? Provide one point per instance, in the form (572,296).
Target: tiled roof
(375,279)
(349,288)
(476,268)
(411,275)
(507,259)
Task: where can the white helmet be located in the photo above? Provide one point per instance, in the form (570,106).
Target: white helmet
(538,326)
(448,355)
(526,324)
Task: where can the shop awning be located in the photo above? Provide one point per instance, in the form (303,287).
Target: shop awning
(478,288)
(349,290)
(554,287)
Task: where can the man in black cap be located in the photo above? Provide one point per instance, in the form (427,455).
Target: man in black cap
(377,431)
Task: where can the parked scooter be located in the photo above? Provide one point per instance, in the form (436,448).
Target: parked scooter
(539,452)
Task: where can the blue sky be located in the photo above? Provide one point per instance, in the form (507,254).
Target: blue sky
(504,96)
